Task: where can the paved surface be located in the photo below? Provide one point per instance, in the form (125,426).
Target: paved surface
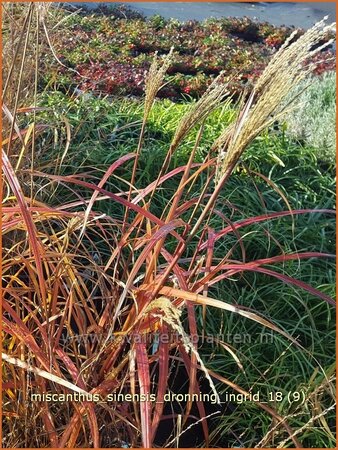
(280,13)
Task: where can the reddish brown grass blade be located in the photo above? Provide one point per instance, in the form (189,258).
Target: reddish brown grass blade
(37,249)
(105,177)
(298,283)
(159,235)
(255,267)
(144,380)
(257,219)
(155,184)
(200,405)
(163,363)
(232,268)
(72,179)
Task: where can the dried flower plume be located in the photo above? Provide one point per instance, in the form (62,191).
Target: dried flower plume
(286,69)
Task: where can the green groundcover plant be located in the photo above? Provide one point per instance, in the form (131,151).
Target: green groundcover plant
(102,304)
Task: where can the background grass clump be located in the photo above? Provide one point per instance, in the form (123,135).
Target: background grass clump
(313,122)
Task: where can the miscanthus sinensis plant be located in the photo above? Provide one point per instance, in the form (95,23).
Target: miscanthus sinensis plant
(124,281)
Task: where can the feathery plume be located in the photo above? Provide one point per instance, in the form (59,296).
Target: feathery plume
(154,79)
(289,66)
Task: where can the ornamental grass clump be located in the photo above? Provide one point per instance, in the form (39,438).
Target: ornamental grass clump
(90,299)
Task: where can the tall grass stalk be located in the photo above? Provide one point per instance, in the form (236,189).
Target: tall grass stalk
(286,69)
